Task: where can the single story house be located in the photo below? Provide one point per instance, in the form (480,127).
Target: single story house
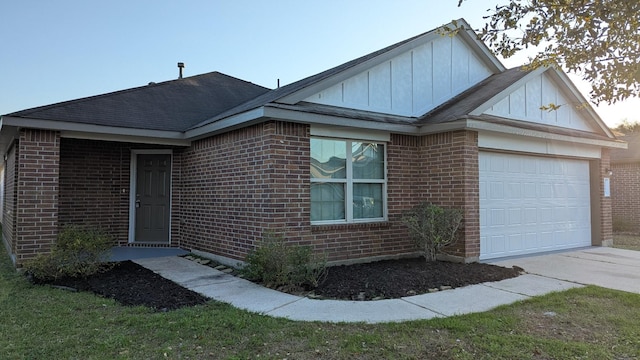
(625,185)
(210,162)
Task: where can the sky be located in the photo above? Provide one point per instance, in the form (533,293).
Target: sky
(52,51)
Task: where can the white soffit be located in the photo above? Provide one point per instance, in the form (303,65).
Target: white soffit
(100,132)
(537,146)
(349,133)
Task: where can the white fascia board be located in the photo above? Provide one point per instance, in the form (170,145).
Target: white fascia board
(478,46)
(100,132)
(504,93)
(569,85)
(124,138)
(330,120)
(225,124)
(478,125)
(460,124)
(349,133)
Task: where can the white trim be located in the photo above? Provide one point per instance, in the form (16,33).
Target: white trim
(331,120)
(133,174)
(90,128)
(467,123)
(124,138)
(482,125)
(349,182)
(349,133)
(225,124)
(496,141)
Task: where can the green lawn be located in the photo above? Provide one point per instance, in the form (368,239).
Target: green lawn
(41,322)
(626,241)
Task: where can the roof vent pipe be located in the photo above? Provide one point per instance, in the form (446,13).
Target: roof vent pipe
(180,67)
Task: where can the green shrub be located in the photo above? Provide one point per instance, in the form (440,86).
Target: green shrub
(280,265)
(432,227)
(77,252)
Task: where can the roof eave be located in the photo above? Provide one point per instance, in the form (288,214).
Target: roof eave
(100,132)
(470,123)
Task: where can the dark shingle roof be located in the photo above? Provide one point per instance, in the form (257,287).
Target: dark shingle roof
(467,101)
(289,89)
(631,154)
(174,105)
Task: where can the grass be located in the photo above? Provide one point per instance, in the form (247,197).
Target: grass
(37,321)
(626,241)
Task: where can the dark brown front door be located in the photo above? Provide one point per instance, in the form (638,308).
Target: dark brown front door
(153,198)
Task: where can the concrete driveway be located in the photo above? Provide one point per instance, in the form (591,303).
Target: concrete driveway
(603,266)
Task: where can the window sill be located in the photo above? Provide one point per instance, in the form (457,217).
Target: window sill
(350,226)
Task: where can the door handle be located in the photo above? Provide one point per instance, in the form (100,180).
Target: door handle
(137,204)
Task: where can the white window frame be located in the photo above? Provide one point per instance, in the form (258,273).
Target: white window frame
(349,182)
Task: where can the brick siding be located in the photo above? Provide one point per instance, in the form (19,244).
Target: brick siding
(625,196)
(228,189)
(94,187)
(36,221)
(239,184)
(606,225)
(451,179)
(9,206)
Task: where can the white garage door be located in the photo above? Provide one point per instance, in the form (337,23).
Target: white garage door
(532,204)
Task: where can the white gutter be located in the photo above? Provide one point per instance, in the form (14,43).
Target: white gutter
(312,118)
(478,125)
(100,132)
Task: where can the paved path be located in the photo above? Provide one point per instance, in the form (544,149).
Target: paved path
(607,267)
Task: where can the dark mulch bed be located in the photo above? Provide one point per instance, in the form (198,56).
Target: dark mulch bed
(405,277)
(131,284)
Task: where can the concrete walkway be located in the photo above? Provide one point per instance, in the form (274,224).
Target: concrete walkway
(608,267)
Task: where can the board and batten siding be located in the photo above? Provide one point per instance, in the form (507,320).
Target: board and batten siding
(412,83)
(526,102)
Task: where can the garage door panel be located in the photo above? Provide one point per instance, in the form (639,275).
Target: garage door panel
(546,240)
(515,241)
(530,204)
(515,217)
(531,241)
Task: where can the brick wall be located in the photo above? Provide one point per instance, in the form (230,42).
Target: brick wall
(625,196)
(227,192)
(450,172)
(92,177)
(36,220)
(606,224)
(9,206)
(241,183)
(94,186)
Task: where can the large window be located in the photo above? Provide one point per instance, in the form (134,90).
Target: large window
(348,181)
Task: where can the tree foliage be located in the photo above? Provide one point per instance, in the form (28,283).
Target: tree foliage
(597,39)
(627,127)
